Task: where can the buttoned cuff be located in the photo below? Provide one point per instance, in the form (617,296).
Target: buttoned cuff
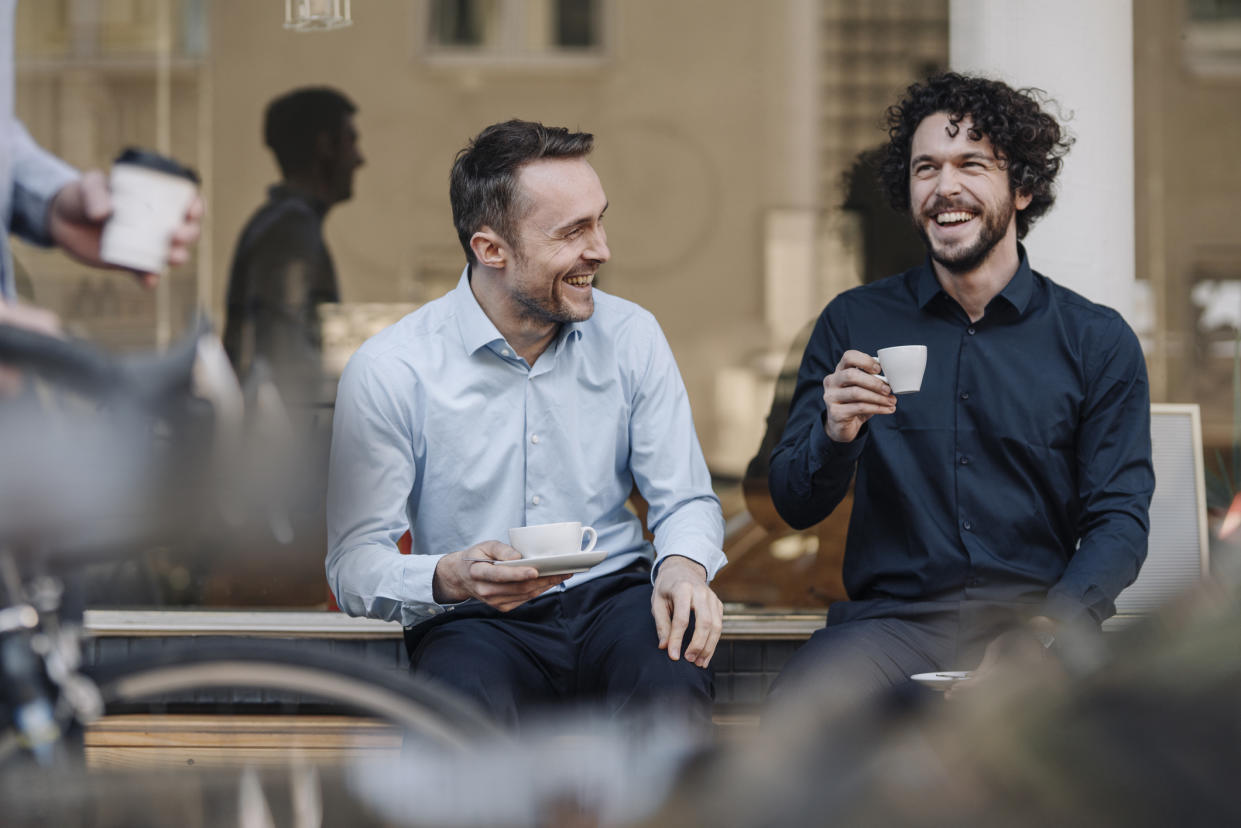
(1067,611)
(705,555)
(826,451)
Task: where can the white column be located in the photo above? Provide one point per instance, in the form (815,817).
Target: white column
(1081,54)
(791,119)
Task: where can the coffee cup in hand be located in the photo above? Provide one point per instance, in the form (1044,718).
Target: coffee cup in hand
(903,366)
(150,197)
(547,539)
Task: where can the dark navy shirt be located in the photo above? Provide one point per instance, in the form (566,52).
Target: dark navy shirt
(1021,472)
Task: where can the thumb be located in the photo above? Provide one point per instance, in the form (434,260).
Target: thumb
(96,200)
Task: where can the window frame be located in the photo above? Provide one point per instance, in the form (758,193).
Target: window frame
(512,52)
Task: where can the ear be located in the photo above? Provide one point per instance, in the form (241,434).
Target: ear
(1022,200)
(325,145)
(490,249)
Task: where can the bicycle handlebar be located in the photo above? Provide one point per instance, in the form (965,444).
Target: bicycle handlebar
(83,367)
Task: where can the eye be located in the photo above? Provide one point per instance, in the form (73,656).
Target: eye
(573,232)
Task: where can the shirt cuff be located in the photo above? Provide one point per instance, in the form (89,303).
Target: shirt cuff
(705,555)
(1067,611)
(37,179)
(827,451)
(420,584)
(419,581)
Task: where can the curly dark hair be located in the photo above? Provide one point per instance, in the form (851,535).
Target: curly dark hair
(1029,143)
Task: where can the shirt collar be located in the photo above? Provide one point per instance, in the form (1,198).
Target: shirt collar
(1017,292)
(282,191)
(477,329)
(1019,288)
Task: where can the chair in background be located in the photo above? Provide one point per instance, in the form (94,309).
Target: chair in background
(1178,553)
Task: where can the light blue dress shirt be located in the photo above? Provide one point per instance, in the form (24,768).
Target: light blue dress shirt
(440,427)
(29,176)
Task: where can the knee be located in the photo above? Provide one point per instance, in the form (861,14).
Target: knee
(826,668)
(658,680)
(473,675)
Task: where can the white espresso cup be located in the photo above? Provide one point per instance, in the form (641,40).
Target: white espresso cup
(150,195)
(903,366)
(546,539)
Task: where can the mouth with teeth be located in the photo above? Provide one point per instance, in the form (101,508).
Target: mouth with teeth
(580,280)
(952,218)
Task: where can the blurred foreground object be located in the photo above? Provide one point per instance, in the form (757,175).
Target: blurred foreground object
(1144,731)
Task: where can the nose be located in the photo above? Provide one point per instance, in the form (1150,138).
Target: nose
(597,250)
(947,182)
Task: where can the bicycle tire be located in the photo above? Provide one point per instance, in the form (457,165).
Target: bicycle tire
(422,708)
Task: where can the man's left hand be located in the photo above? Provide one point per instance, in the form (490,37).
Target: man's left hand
(681,587)
(81,208)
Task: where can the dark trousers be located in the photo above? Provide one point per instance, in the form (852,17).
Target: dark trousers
(594,644)
(868,647)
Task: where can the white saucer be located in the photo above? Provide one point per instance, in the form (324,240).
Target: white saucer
(941,680)
(560,564)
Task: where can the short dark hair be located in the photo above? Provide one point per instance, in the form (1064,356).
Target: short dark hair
(483,183)
(295,120)
(1029,143)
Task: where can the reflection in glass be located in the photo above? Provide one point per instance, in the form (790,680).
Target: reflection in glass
(577,23)
(316,15)
(1204,10)
(461,22)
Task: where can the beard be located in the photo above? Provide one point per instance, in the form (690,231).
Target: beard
(965,257)
(548,307)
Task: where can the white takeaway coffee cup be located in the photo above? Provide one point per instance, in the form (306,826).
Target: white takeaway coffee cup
(903,366)
(150,195)
(546,539)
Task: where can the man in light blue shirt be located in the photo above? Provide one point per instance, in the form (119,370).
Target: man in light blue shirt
(525,396)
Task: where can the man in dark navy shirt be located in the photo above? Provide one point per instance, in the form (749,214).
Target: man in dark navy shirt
(1008,498)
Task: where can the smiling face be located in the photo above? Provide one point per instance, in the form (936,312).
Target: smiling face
(959,194)
(560,242)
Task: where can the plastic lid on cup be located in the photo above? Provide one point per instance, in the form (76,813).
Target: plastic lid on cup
(154,161)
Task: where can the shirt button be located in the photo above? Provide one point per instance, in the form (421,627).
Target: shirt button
(965,461)
(967,525)
(965,395)
(971,331)
(534,438)
(506,352)
(536,500)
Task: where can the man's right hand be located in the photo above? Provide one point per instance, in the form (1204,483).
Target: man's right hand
(853,394)
(503,587)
